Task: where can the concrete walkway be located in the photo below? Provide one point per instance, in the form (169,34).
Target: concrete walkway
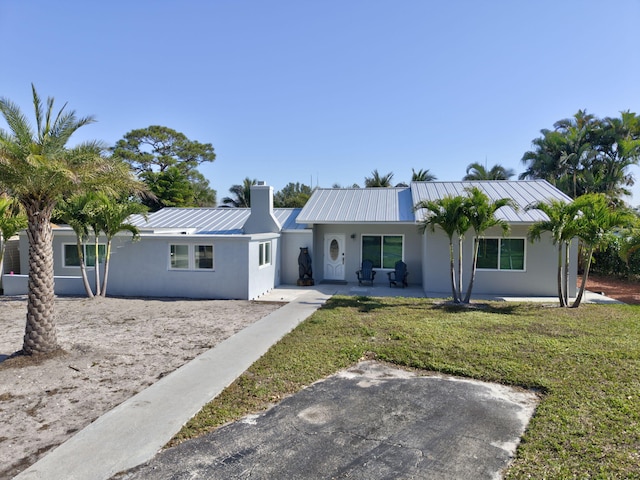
(133,432)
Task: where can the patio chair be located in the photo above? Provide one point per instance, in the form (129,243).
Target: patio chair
(366,272)
(399,275)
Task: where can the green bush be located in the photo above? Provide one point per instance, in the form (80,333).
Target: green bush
(607,262)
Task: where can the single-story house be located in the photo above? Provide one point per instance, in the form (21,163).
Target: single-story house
(239,253)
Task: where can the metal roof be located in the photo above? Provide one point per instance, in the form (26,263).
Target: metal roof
(358,205)
(522,192)
(384,205)
(213,221)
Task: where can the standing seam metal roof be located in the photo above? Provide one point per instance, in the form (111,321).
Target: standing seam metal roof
(218,221)
(359,205)
(523,193)
(384,205)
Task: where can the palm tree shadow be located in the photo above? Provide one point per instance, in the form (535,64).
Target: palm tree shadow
(500,308)
(362,303)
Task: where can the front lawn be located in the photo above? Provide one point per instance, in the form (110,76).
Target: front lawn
(585,364)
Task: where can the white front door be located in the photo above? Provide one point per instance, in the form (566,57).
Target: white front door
(334,257)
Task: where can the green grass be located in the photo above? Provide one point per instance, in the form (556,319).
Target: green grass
(585,364)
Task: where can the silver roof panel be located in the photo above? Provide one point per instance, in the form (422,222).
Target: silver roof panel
(358,205)
(522,192)
(218,221)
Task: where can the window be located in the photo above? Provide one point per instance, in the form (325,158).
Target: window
(264,253)
(180,256)
(71,258)
(501,254)
(204,256)
(191,257)
(383,250)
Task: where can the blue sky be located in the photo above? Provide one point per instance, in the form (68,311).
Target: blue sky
(324,92)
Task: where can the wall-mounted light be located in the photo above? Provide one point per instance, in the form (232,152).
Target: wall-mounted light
(353,236)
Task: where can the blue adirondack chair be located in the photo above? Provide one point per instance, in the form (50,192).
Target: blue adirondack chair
(399,275)
(366,272)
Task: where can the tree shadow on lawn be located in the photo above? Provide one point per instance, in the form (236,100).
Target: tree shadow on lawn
(500,308)
(362,303)
(366,304)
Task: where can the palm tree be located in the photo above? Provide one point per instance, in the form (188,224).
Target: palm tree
(544,161)
(111,219)
(482,216)
(37,168)
(584,154)
(377,180)
(477,171)
(241,194)
(94,223)
(450,214)
(561,223)
(75,212)
(577,151)
(12,220)
(422,176)
(618,145)
(596,221)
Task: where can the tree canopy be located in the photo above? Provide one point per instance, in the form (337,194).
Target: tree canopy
(167,161)
(477,171)
(241,194)
(293,195)
(585,154)
(377,180)
(422,175)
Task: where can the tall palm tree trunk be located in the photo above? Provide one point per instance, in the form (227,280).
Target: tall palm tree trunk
(560,293)
(83,268)
(454,290)
(105,278)
(97,262)
(585,277)
(40,330)
(567,261)
(460,240)
(474,262)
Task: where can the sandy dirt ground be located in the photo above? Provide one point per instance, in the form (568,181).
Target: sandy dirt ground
(625,291)
(112,348)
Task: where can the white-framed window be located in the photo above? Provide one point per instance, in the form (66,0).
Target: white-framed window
(190,257)
(70,257)
(502,254)
(383,250)
(203,257)
(264,253)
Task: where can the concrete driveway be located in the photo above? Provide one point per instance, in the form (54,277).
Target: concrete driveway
(372,421)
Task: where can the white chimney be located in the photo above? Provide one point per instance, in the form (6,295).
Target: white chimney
(261,219)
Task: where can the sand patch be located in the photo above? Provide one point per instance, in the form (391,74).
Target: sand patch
(112,349)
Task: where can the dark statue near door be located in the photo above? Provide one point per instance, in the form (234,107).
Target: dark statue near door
(305,272)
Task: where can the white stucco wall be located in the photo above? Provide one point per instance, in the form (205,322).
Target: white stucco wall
(538,278)
(262,279)
(141,268)
(291,243)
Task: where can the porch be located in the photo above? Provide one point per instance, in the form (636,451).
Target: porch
(288,293)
